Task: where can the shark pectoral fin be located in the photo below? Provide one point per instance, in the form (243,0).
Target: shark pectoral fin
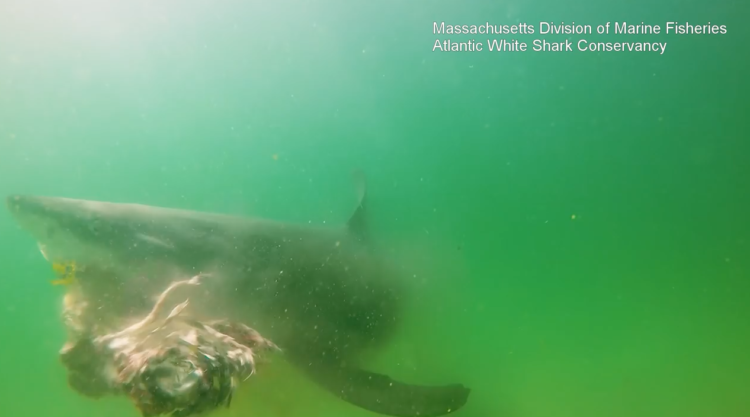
(357,223)
(382,394)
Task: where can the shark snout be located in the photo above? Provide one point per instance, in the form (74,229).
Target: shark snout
(22,209)
(13,202)
(20,203)
(41,216)
(26,207)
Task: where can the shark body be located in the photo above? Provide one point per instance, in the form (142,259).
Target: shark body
(321,294)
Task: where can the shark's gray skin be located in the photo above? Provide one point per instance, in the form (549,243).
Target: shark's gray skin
(321,294)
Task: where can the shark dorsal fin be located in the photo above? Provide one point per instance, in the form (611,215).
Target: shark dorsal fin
(357,223)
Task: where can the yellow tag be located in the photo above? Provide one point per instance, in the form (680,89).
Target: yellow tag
(66,271)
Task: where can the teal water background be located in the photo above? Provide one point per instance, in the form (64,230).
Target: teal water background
(577,223)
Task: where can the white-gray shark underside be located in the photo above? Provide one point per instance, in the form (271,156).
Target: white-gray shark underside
(321,294)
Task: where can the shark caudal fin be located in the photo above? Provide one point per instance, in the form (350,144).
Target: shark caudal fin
(383,395)
(376,392)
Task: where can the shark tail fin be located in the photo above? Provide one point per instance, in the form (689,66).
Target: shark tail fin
(383,395)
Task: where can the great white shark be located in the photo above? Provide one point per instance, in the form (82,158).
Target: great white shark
(322,294)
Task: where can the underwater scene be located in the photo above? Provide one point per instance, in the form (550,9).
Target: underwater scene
(329,208)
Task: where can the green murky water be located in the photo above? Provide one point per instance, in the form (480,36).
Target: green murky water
(577,223)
